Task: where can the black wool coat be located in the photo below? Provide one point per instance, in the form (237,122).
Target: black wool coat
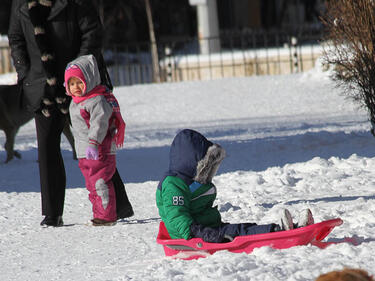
(73,29)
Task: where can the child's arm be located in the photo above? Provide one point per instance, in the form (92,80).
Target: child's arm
(176,203)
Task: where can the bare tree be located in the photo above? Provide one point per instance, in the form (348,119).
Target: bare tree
(154,49)
(350,49)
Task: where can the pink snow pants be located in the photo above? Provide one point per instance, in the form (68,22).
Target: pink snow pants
(98,175)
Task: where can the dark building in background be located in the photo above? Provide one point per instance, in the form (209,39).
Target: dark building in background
(240,15)
(125,21)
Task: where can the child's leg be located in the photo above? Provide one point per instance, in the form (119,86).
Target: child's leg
(242,229)
(82,164)
(98,176)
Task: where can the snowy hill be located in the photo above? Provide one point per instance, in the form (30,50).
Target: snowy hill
(292,141)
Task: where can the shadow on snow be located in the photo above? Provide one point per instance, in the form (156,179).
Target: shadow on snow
(149,164)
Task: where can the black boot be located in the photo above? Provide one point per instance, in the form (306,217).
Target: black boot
(52,221)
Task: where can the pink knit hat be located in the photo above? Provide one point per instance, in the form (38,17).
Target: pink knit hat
(74,71)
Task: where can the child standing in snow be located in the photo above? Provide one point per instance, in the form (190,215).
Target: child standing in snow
(98,129)
(186,194)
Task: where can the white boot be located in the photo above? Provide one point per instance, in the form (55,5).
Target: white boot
(305,218)
(286,221)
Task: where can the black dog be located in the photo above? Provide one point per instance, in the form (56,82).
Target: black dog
(13,116)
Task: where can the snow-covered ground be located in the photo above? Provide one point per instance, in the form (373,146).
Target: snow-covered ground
(292,141)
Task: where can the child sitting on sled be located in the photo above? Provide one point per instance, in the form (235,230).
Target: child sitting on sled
(186,194)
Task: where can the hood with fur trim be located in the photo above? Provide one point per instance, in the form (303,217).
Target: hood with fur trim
(86,69)
(208,166)
(194,158)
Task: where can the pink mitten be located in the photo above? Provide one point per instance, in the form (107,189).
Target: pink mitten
(92,152)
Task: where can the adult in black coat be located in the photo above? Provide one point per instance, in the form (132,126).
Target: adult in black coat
(44,35)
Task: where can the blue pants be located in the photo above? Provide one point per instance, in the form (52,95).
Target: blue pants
(242,229)
(218,234)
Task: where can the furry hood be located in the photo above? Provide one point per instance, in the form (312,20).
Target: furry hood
(86,69)
(208,166)
(194,158)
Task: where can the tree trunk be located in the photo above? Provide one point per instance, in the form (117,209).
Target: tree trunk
(154,48)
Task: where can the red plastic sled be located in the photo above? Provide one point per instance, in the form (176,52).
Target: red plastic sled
(196,248)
